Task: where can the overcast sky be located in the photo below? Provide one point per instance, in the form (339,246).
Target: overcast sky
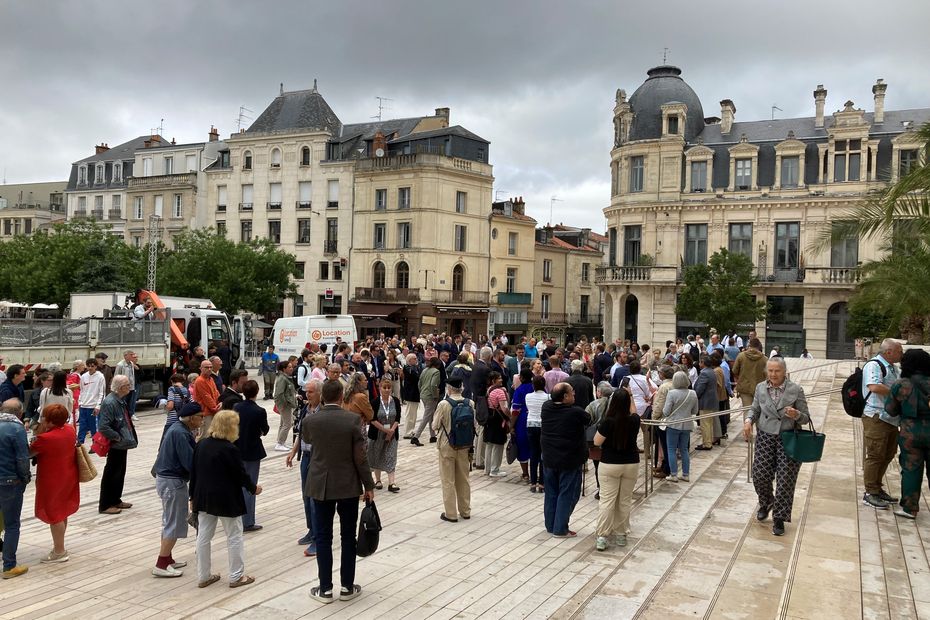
(536,79)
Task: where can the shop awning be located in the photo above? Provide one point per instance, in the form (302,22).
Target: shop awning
(372,310)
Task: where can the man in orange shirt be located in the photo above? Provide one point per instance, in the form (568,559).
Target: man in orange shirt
(205,394)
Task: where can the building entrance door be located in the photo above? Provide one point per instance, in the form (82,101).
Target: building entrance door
(839,345)
(630,318)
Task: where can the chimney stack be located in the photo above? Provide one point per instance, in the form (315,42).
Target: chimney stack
(101,148)
(214,134)
(379,143)
(444,114)
(820,98)
(879,92)
(727,113)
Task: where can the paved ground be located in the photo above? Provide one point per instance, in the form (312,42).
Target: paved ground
(695,551)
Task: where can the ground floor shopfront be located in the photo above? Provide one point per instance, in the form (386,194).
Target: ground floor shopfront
(800,316)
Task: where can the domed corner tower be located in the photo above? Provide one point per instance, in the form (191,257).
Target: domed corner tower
(651,103)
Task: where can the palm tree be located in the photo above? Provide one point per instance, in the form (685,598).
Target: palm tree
(897,287)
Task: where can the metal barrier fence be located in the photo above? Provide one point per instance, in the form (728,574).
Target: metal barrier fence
(76,332)
(648,439)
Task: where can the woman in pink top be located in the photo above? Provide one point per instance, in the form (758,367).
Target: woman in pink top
(74,384)
(497,427)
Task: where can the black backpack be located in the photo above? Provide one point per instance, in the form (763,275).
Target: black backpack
(853,398)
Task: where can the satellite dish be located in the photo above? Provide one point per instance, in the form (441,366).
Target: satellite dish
(379,153)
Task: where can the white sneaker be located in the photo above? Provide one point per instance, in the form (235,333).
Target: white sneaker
(498,474)
(671,478)
(685,478)
(601,543)
(166,572)
(280,447)
(135,418)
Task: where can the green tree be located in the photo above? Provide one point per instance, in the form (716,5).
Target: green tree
(719,293)
(74,257)
(252,276)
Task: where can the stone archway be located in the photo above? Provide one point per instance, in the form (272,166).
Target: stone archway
(630,325)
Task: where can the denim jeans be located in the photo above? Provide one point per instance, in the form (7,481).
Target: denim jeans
(679,440)
(308,502)
(11,505)
(131,402)
(323,514)
(563,488)
(251,468)
(87,423)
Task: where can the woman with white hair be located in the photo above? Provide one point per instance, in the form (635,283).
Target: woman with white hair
(681,404)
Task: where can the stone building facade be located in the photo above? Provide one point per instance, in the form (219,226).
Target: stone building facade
(512,268)
(28,207)
(684,186)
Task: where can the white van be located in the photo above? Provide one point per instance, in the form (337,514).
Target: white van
(292,335)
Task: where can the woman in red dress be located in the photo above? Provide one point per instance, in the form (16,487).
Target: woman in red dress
(57,490)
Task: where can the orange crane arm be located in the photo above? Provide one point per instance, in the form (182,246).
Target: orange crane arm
(177,336)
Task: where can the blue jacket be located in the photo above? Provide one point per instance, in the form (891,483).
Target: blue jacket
(113,423)
(706,388)
(8,391)
(176,454)
(14,451)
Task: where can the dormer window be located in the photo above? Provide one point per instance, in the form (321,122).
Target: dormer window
(673,125)
(790,171)
(305,156)
(118,172)
(743,174)
(247,160)
(82,175)
(99,174)
(699,176)
(275,158)
(847,159)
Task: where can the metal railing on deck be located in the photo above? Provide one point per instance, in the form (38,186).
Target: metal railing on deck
(648,439)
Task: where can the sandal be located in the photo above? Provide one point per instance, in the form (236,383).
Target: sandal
(243,581)
(209,582)
(378,485)
(393,488)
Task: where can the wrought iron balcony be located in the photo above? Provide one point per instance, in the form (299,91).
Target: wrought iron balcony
(404,295)
(585,319)
(461,298)
(274,206)
(547,318)
(305,204)
(779,274)
(245,206)
(116,214)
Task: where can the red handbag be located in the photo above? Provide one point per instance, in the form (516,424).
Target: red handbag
(100,444)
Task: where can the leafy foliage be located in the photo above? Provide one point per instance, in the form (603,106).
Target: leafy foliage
(252,276)
(719,293)
(75,257)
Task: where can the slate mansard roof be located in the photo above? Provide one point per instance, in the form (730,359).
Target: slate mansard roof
(664,85)
(297,110)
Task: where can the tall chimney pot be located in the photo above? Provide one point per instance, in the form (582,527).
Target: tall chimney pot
(820,98)
(727,114)
(214,134)
(101,148)
(878,90)
(444,114)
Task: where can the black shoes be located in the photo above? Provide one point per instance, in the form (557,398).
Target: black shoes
(445,518)
(433,440)
(778,527)
(888,498)
(763,513)
(415,442)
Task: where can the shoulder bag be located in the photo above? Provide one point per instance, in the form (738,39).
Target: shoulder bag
(804,446)
(86,469)
(369,530)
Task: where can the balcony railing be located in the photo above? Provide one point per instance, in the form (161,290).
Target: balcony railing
(463,298)
(97,213)
(304,204)
(80,213)
(619,273)
(514,299)
(116,214)
(330,247)
(245,206)
(781,275)
(547,318)
(164,180)
(274,206)
(387,294)
(585,319)
(221,208)
(832,275)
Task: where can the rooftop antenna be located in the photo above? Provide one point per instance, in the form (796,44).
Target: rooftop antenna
(496,192)
(381,106)
(157,131)
(243,117)
(665,52)
(552,201)
(775,107)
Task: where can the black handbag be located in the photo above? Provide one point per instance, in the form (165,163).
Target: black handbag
(373,432)
(512,450)
(369,530)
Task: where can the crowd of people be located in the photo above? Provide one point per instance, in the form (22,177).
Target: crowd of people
(485,403)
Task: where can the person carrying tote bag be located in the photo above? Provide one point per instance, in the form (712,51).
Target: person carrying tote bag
(778,406)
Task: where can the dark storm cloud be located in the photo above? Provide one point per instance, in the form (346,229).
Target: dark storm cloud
(537,79)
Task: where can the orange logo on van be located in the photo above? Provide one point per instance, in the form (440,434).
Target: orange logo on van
(316,334)
(286,334)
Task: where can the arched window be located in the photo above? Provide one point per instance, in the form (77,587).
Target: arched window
(378,275)
(82,175)
(247,160)
(458,278)
(99,177)
(118,172)
(305,156)
(402,275)
(275,157)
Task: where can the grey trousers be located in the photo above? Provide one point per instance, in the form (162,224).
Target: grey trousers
(493,455)
(411,420)
(285,426)
(429,408)
(206,524)
(480,455)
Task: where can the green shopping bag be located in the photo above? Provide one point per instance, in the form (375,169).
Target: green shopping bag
(804,446)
